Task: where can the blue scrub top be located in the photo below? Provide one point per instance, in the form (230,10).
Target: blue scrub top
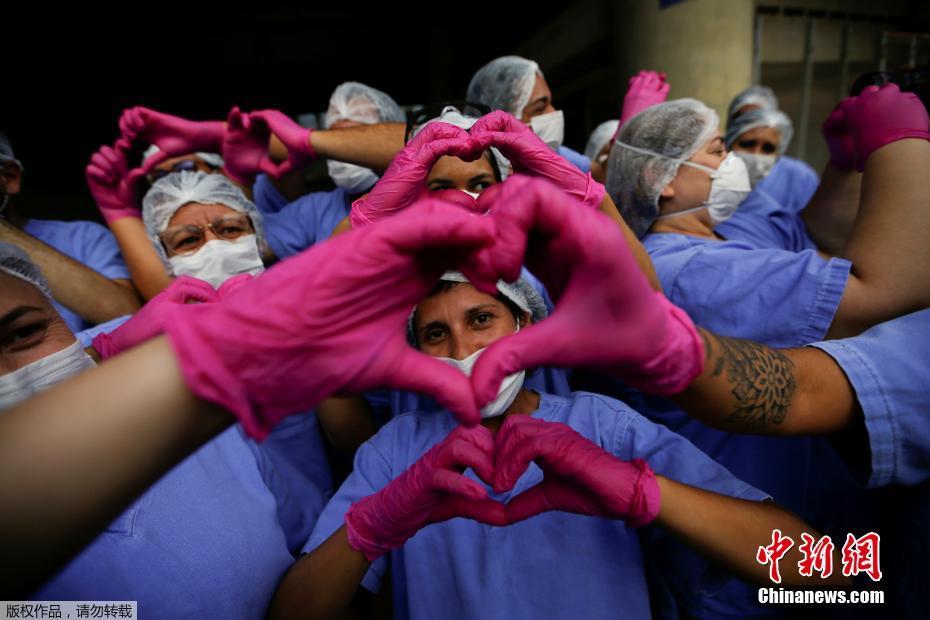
(783,296)
(308,220)
(205,541)
(88,243)
(579,160)
(888,367)
(554,565)
(776,229)
(266,196)
(791,183)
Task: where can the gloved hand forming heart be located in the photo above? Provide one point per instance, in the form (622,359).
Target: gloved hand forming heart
(580,477)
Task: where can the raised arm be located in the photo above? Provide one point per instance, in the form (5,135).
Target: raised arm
(79,288)
(888,245)
(114,188)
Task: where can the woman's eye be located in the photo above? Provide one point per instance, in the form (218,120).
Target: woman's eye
(480,186)
(435,187)
(231,230)
(433,335)
(26,335)
(482,318)
(187,242)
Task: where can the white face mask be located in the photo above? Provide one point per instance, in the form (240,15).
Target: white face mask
(354,179)
(218,260)
(758,166)
(729,187)
(550,128)
(23,383)
(508,391)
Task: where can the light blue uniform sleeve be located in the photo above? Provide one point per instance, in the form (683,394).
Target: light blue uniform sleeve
(371,473)
(780,298)
(888,366)
(578,160)
(266,196)
(668,453)
(308,220)
(87,336)
(777,229)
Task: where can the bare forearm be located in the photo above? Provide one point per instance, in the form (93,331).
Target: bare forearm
(322,583)
(888,246)
(76,455)
(79,288)
(371,146)
(729,532)
(831,213)
(145,266)
(747,387)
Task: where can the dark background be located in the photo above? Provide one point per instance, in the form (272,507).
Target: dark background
(69,72)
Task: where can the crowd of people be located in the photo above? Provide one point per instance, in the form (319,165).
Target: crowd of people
(486,375)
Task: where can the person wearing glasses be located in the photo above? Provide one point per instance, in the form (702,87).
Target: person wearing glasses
(86,272)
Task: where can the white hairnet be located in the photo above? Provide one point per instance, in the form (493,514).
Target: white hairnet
(753,119)
(762,96)
(6,151)
(15,262)
(211,159)
(647,153)
(171,192)
(505,83)
(523,294)
(452,116)
(599,137)
(353,101)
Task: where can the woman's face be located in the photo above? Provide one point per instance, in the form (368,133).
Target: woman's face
(540,100)
(460,320)
(196,223)
(30,328)
(691,186)
(453,173)
(761,141)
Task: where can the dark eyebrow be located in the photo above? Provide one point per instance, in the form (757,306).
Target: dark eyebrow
(475,309)
(716,140)
(539,99)
(479,177)
(16,313)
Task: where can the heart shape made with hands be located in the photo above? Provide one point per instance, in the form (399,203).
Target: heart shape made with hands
(578,476)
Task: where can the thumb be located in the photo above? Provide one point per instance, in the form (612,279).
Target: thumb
(530,503)
(427,375)
(528,348)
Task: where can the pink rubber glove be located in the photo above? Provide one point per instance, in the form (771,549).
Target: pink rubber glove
(530,155)
(405,179)
(112,184)
(877,117)
(175,136)
(647,88)
(148,322)
(331,319)
(430,491)
(839,142)
(245,148)
(579,476)
(233,284)
(607,317)
(294,137)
